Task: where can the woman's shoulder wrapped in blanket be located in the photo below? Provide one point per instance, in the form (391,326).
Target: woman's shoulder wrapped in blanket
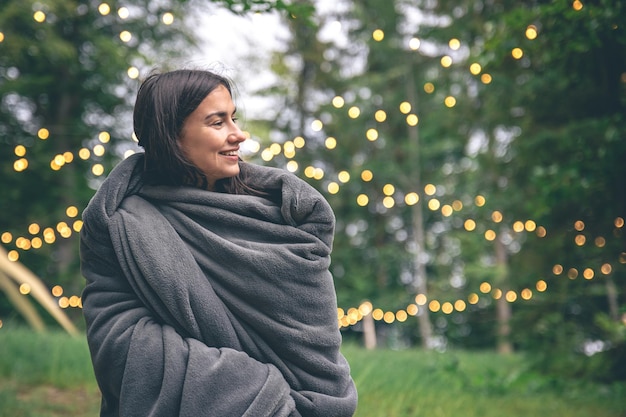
(212,304)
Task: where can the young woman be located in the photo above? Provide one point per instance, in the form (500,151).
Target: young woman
(208,291)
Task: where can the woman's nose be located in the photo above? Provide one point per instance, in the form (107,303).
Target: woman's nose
(237,135)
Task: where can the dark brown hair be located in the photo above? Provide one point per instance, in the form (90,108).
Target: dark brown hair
(164,101)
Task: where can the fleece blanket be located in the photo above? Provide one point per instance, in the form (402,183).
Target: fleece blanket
(208,304)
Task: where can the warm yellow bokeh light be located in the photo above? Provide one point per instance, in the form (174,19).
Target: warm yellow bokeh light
(299,142)
(133,73)
(333,187)
(496,216)
(414,44)
(479,200)
(292,166)
(20,150)
(123,13)
(447,210)
(362,200)
(429,88)
(317,125)
(511,296)
(469,225)
(518,226)
(354,112)
(434,204)
(412,120)
(389,202)
(486,78)
(39,16)
(104,9)
(449,101)
(475,68)
(485,287)
(330,142)
(531,32)
(557,269)
(473,298)
(6,237)
(579,225)
(380,116)
(389,317)
(405,107)
(389,189)
(71,211)
(454,44)
(434,306)
(446,61)
(338,102)
(490,235)
(367,175)
(378,35)
(84,154)
(411,199)
(421,299)
(541,285)
(517,53)
(168,18)
(577,5)
(20,165)
(371,134)
(343,176)
(33,228)
(97,170)
(43,133)
(125,36)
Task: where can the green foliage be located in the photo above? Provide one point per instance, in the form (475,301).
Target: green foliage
(50,374)
(415,383)
(51,358)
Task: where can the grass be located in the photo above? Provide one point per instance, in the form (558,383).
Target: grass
(50,375)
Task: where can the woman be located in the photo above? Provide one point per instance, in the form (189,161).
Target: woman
(208,291)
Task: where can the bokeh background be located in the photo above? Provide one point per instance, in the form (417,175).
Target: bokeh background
(474,152)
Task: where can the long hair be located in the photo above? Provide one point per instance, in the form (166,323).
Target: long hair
(164,101)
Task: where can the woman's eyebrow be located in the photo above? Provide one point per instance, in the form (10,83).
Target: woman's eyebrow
(219,113)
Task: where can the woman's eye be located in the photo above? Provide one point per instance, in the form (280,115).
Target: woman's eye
(235,119)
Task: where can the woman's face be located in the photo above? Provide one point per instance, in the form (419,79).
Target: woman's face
(210,137)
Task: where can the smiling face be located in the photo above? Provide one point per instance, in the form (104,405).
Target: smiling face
(210,137)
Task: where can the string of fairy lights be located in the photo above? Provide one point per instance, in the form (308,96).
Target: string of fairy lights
(36,235)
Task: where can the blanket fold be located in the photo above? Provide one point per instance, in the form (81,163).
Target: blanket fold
(209,304)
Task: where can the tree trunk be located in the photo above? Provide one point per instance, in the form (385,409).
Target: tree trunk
(419,270)
(369,332)
(503,308)
(612,298)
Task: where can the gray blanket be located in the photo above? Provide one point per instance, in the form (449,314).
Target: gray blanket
(208,304)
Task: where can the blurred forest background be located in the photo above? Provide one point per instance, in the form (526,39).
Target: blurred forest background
(473,151)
